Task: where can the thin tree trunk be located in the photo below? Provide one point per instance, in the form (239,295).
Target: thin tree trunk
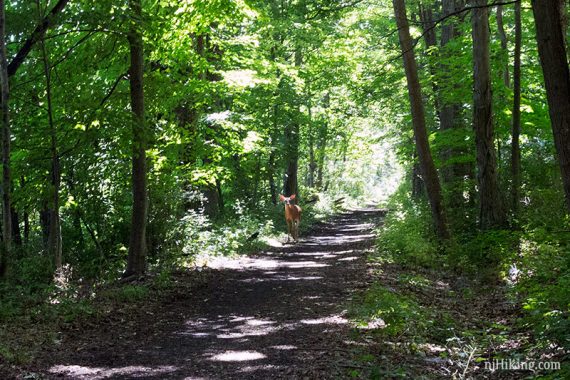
(418,188)
(26,227)
(26,216)
(312,161)
(6,250)
(491,213)
(430,175)
(271,178)
(136,264)
(76,211)
(16,232)
(552,52)
(54,244)
(292,131)
(429,31)
(44,223)
(504,44)
(322,146)
(220,195)
(449,116)
(515,147)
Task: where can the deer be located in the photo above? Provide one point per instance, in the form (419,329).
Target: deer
(292,216)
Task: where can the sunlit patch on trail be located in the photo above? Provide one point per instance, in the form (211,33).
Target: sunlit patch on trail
(231,327)
(256,368)
(282,278)
(272,242)
(284,347)
(260,263)
(350,258)
(237,356)
(95,373)
(330,320)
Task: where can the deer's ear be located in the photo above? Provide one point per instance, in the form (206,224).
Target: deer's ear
(292,196)
(281,197)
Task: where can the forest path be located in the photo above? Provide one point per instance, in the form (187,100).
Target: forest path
(275,315)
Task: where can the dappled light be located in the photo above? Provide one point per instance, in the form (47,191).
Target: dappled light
(284,189)
(237,356)
(268,312)
(96,373)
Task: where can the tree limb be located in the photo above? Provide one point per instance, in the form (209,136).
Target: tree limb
(36,35)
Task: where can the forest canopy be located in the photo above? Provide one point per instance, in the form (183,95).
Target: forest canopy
(139,135)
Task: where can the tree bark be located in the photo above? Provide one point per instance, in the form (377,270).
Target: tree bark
(504,44)
(450,113)
(136,264)
(429,172)
(552,52)
(16,232)
(515,147)
(7,71)
(26,227)
(271,178)
(430,37)
(6,250)
(311,132)
(292,131)
(491,212)
(54,244)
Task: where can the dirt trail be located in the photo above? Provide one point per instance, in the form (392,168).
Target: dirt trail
(277,315)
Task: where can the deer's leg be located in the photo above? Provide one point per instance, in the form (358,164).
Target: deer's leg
(289,229)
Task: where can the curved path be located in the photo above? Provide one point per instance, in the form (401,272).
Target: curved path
(276,315)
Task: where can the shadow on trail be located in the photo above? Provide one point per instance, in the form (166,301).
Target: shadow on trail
(274,315)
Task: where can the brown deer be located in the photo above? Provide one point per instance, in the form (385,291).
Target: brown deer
(292,216)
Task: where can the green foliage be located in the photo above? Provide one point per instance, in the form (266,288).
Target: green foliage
(394,313)
(545,285)
(407,236)
(127,293)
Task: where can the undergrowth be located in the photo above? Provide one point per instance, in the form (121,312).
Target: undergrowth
(33,295)
(529,264)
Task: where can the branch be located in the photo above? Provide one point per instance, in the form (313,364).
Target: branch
(37,35)
(101,104)
(449,15)
(112,90)
(340,7)
(71,49)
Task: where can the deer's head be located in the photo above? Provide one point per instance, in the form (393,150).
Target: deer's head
(286,200)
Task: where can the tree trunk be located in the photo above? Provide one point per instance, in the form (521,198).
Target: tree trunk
(290,185)
(76,212)
(6,249)
(45,223)
(515,147)
(6,71)
(311,132)
(418,188)
(430,37)
(504,46)
(271,178)
(552,52)
(26,227)
(449,115)
(16,232)
(136,264)
(54,244)
(429,172)
(491,213)
(322,139)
